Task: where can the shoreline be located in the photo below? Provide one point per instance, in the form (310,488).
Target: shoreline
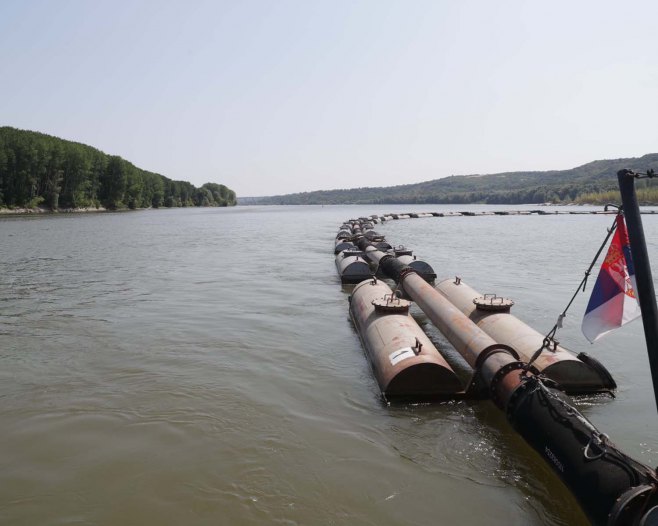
(39,211)
(87,210)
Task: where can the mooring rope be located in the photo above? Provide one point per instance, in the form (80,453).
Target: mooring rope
(549,340)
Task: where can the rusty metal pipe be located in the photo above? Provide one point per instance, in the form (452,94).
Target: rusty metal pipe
(559,364)
(462,333)
(472,343)
(612,489)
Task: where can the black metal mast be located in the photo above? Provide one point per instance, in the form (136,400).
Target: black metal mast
(643,278)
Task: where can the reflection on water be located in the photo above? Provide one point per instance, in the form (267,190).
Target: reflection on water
(199,366)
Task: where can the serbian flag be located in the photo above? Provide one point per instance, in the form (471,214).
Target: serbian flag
(614,301)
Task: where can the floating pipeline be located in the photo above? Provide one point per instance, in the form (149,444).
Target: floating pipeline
(405,363)
(612,488)
(576,375)
(403,255)
(582,374)
(350,264)
(470,213)
(473,344)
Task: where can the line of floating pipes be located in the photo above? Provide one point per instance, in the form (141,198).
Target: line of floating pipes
(612,488)
(470,213)
(358,258)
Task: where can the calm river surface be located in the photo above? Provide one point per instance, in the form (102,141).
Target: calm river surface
(198,366)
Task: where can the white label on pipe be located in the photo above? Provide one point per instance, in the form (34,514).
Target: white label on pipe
(401,354)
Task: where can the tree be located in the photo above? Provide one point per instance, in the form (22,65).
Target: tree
(36,168)
(113,183)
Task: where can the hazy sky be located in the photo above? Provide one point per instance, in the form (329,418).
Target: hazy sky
(277,96)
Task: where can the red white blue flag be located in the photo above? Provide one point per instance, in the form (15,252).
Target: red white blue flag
(614,301)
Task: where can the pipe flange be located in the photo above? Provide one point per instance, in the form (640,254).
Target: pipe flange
(629,503)
(405,272)
(500,374)
(493,349)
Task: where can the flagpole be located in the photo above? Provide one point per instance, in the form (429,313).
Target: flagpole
(643,278)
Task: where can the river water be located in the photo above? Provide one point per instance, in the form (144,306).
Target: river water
(198,366)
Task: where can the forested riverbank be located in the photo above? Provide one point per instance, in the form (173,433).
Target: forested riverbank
(646,196)
(39,171)
(591,183)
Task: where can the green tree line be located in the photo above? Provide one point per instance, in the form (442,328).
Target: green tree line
(41,170)
(646,195)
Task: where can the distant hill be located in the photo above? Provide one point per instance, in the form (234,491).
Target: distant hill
(39,170)
(504,188)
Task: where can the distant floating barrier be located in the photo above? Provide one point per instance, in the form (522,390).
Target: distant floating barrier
(474,213)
